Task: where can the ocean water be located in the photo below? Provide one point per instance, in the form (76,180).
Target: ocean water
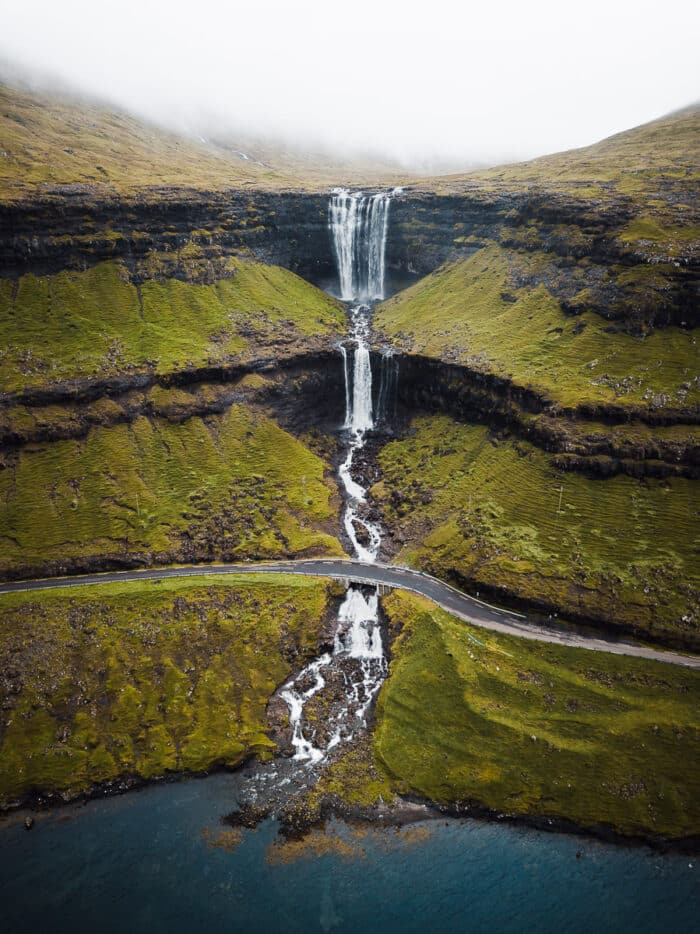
(148,861)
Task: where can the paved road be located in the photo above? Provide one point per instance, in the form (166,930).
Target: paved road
(459,604)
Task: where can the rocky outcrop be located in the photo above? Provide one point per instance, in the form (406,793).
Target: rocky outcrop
(74,230)
(430,228)
(428,385)
(304,391)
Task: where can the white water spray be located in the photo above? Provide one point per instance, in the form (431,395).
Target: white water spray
(358,225)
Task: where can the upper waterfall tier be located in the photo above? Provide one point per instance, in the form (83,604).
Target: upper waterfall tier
(358,225)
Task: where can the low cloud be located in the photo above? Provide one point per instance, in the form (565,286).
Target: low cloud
(431,83)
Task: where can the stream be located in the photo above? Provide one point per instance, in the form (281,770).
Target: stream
(358,226)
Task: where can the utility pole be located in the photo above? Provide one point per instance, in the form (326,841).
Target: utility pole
(561,493)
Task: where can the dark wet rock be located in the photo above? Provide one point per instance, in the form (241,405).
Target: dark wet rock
(248,816)
(278,721)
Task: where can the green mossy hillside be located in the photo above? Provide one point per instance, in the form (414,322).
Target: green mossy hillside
(536,729)
(140,680)
(98,323)
(473,313)
(227,486)
(473,506)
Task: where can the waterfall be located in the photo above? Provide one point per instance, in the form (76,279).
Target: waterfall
(358,377)
(359,419)
(329,700)
(362,390)
(359,225)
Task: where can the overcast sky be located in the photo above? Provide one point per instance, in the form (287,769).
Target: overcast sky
(488,81)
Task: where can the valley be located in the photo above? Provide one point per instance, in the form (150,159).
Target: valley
(490,378)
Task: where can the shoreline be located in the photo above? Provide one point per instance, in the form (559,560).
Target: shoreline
(406,810)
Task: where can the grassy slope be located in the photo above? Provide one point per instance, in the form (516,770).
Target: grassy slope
(488,511)
(145,679)
(234,485)
(641,164)
(50,141)
(458,314)
(97,323)
(537,729)
(114,152)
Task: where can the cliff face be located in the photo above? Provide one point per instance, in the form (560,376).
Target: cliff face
(599,441)
(597,260)
(73,229)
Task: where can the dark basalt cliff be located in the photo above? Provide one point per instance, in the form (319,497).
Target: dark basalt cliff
(580,238)
(428,385)
(73,230)
(305,391)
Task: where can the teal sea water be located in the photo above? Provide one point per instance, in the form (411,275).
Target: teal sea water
(144,862)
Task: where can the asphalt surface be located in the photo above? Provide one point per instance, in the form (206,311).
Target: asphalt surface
(459,604)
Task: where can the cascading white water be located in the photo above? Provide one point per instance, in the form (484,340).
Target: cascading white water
(358,225)
(359,420)
(358,646)
(362,390)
